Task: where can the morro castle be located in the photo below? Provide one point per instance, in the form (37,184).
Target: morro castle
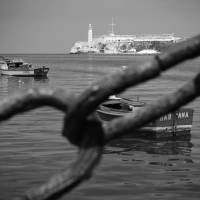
(124,44)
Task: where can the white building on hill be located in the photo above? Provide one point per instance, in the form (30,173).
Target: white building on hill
(116,44)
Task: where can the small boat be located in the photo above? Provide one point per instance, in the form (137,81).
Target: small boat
(178,123)
(17,67)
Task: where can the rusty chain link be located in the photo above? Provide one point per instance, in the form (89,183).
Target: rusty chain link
(91,135)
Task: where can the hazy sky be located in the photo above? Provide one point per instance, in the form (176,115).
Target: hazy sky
(52,26)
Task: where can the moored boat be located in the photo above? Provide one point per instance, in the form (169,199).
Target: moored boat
(18,67)
(178,123)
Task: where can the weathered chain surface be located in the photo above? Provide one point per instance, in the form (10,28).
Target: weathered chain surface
(81,125)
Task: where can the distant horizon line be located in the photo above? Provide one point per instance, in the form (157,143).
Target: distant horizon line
(30,53)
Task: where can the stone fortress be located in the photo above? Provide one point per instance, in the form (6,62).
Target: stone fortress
(124,44)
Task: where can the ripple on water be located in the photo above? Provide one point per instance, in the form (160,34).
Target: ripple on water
(32,148)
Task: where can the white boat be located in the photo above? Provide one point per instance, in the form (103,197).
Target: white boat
(20,68)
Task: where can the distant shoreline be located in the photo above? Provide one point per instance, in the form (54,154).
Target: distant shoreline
(111,54)
(77,54)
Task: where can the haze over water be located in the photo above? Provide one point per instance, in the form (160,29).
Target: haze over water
(32,149)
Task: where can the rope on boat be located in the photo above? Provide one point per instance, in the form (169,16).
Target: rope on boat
(91,135)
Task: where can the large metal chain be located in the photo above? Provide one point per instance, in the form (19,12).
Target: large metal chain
(91,135)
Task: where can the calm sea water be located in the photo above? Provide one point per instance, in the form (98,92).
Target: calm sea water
(32,149)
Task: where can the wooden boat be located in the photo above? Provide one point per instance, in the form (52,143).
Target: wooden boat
(178,123)
(20,68)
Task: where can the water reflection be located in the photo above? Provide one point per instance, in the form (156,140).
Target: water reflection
(41,79)
(168,147)
(10,84)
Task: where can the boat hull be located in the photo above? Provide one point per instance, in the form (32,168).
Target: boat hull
(17,72)
(178,123)
(39,72)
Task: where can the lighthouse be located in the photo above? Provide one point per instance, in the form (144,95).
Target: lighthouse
(90,35)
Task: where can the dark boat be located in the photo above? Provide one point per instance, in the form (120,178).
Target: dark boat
(178,123)
(20,68)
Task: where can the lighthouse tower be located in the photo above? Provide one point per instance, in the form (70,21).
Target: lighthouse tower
(90,35)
